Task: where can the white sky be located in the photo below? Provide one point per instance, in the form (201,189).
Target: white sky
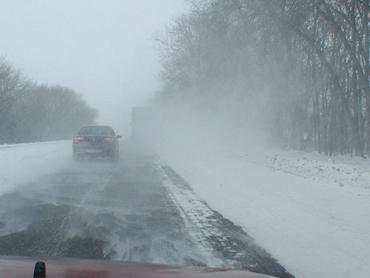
(104,49)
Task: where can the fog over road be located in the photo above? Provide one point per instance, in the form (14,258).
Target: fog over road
(134,210)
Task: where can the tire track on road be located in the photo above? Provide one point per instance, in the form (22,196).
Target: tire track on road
(226,241)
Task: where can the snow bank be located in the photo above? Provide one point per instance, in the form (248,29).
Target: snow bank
(23,163)
(311,213)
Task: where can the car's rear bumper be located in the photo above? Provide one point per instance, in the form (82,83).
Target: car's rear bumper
(87,150)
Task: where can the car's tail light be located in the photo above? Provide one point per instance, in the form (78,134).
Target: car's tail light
(77,139)
(109,139)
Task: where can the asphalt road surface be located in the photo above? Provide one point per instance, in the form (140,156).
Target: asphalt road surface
(132,210)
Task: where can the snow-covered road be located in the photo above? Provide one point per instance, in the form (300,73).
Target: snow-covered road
(134,210)
(311,213)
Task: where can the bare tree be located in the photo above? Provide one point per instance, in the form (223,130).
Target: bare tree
(310,58)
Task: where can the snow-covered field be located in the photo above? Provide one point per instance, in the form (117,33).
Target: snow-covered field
(23,163)
(312,213)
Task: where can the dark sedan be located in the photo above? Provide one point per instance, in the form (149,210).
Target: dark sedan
(96,141)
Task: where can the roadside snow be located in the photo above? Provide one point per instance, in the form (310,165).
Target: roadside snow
(342,170)
(312,213)
(22,163)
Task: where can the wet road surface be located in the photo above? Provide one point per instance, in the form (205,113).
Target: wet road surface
(133,210)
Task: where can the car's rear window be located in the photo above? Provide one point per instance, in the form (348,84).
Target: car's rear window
(96,130)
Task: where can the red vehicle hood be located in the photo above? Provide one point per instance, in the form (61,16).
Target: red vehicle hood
(21,267)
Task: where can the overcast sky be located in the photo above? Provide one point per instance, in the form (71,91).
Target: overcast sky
(104,49)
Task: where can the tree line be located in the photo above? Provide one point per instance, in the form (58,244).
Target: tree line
(31,112)
(303,63)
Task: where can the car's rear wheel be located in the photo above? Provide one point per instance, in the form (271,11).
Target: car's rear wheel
(115,156)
